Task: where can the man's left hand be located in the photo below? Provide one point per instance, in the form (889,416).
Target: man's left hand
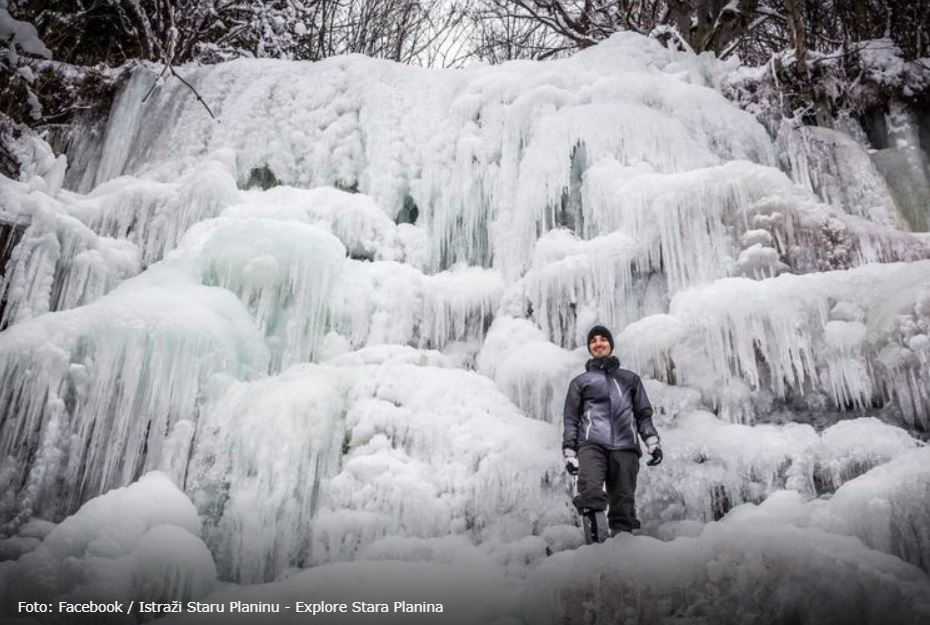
(656,457)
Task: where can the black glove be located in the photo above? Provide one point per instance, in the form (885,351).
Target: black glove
(656,457)
(571,461)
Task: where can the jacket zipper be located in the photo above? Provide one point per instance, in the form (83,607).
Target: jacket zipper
(587,430)
(632,419)
(610,406)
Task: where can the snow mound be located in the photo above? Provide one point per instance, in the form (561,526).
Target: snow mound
(140,542)
(735,571)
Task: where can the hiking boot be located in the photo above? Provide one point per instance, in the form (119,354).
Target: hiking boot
(595,526)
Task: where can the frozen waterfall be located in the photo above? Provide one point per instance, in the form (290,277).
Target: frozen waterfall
(317,349)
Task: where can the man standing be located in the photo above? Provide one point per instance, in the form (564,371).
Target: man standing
(605,408)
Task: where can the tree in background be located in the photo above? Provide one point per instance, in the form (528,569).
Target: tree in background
(20,42)
(819,54)
(112,32)
(825,58)
(753,28)
(697,25)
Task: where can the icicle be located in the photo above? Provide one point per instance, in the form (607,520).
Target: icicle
(838,170)
(282,272)
(386,302)
(265,452)
(458,305)
(568,274)
(776,334)
(683,222)
(531,371)
(155,215)
(126,367)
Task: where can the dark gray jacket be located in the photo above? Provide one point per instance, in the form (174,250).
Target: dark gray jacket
(607,405)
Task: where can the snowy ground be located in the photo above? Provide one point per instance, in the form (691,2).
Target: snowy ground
(348,386)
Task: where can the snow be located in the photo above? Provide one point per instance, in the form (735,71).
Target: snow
(713,465)
(21,35)
(137,542)
(531,371)
(734,571)
(883,508)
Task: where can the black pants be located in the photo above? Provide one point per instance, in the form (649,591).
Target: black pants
(618,468)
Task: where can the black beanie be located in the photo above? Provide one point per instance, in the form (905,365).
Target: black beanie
(603,332)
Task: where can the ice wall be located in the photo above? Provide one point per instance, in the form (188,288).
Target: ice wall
(839,170)
(366,358)
(857,337)
(481,152)
(91,394)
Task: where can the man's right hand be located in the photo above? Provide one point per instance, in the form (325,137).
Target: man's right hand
(571,461)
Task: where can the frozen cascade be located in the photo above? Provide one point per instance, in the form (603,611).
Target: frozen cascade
(374,457)
(388,302)
(886,508)
(839,170)
(78,247)
(243,480)
(95,389)
(59,263)
(749,222)
(718,465)
(365,230)
(906,166)
(683,220)
(283,273)
(530,370)
(359,368)
(482,152)
(835,333)
(155,214)
(411,470)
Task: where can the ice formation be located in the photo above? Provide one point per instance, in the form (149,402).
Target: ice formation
(141,542)
(374,456)
(95,390)
(853,336)
(342,321)
(839,170)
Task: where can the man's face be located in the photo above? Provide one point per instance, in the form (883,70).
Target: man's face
(599,346)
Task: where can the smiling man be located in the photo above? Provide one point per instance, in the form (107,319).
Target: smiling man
(606,411)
